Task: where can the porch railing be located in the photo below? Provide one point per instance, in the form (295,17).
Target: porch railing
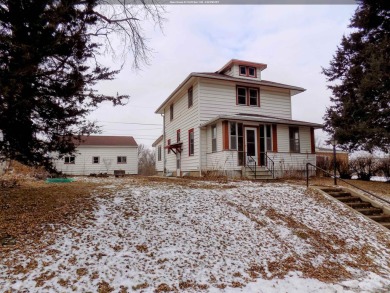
(251,164)
(270,164)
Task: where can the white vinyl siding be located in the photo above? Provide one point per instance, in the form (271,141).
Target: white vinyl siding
(108,157)
(236,73)
(285,163)
(219,98)
(160,164)
(184,119)
(284,141)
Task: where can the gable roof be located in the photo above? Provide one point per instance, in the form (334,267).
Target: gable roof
(103,140)
(212,75)
(157,140)
(232,62)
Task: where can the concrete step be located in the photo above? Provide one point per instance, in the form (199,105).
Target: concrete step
(349,199)
(259,176)
(380,218)
(339,194)
(330,189)
(369,211)
(357,205)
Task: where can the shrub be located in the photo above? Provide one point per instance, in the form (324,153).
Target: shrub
(364,166)
(383,168)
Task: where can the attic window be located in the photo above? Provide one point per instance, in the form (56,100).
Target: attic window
(247,71)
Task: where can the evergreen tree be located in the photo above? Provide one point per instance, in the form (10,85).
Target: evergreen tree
(360,75)
(48,67)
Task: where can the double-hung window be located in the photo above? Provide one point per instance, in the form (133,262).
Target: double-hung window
(294,140)
(248,96)
(214,138)
(178,135)
(191,144)
(247,71)
(190,97)
(121,160)
(70,160)
(159,153)
(171,112)
(233,135)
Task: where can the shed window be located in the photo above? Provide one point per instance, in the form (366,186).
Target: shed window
(95,160)
(121,160)
(70,160)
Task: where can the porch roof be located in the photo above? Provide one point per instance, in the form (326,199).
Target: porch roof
(260,118)
(175,147)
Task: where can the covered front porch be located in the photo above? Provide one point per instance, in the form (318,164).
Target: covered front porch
(254,145)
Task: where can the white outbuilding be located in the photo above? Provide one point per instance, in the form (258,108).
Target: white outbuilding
(101,154)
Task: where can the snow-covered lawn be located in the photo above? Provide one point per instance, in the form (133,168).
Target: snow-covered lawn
(236,237)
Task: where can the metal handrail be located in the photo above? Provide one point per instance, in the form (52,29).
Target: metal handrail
(249,166)
(333,176)
(272,169)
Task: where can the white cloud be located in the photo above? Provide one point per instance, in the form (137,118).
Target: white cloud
(295,41)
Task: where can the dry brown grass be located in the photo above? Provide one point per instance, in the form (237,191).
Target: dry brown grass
(380,188)
(29,210)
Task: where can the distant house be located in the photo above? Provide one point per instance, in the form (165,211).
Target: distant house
(159,155)
(235,122)
(326,155)
(101,154)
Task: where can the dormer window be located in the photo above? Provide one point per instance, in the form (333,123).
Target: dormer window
(247,71)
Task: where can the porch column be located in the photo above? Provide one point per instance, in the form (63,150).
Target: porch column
(274,138)
(225,135)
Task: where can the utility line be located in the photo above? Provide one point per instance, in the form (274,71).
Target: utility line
(136,123)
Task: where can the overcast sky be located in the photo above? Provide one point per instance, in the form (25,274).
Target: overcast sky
(295,41)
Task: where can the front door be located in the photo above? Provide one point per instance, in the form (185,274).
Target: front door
(178,164)
(250,145)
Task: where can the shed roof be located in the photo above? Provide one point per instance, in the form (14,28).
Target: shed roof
(103,140)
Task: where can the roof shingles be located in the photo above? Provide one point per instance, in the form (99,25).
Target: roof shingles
(95,140)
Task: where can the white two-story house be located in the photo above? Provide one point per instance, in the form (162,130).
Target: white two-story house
(232,121)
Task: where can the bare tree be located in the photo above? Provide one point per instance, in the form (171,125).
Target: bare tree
(146,161)
(49,67)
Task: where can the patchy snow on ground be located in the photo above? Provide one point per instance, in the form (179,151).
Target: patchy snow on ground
(234,237)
